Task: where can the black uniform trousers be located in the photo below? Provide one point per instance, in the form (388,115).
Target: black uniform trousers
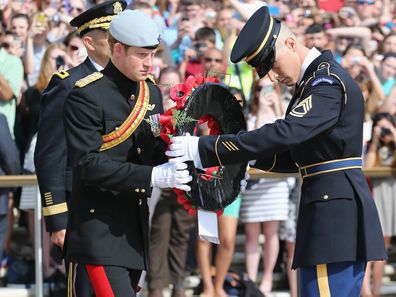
(86,280)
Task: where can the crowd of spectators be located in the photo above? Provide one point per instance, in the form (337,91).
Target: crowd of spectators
(36,40)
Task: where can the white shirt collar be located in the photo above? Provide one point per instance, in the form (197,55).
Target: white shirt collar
(312,55)
(96,65)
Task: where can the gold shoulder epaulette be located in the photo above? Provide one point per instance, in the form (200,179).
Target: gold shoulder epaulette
(88,79)
(150,78)
(62,74)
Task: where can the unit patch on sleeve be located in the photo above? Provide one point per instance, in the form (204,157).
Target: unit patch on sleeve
(323,80)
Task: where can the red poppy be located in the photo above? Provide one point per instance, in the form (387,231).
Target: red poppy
(179,95)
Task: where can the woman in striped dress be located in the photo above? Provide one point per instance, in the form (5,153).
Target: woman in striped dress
(265,202)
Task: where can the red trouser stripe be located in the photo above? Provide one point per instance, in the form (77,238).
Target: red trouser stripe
(99,281)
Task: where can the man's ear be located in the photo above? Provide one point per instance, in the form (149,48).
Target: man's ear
(88,42)
(291,43)
(118,48)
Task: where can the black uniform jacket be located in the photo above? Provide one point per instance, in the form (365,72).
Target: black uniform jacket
(338,220)
(51,158)
(108,215)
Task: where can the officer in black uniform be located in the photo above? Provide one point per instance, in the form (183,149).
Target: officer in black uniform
(321,137)
(51,158)
(114,147)
(52,165)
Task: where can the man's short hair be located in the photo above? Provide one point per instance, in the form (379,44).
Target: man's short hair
(190,2)
(389,55)
(21,16)
(314,29)
(112,41)
(205,33)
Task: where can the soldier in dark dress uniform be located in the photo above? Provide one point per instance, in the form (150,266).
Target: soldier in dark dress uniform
(115,152)
(338,229)
(52,165)
(51,157)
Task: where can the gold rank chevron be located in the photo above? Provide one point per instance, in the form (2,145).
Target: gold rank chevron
(304,107)
(230,146)
(48,198)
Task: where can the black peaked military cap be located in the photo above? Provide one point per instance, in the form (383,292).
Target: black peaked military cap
(98,16)
(256,41)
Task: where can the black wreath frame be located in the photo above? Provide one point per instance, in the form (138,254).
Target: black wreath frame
(215,100)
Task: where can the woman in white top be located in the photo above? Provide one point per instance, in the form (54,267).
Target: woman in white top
(265,202)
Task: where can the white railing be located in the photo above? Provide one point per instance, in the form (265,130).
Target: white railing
(28,180)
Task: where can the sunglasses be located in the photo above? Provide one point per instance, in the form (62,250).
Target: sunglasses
(5,45)
(73,48)
(259,88)
(208,60)
(368,2)
(79,9)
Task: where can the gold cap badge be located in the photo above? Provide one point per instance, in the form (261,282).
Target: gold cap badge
(117,8)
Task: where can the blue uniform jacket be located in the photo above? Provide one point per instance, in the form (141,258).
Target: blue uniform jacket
(51,156)
(338,220)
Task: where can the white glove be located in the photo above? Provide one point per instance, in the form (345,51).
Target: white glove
(184,148)
(171,176)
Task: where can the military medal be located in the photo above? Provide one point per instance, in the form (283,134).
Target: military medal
(155,125)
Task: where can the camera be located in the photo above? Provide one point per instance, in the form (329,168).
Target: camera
(56,18)
(198,46)
(266,90)
(355,60)
(385,132)
(59,61)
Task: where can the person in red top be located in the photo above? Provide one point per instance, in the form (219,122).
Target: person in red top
(205,39)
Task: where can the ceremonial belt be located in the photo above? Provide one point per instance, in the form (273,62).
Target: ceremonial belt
(131,123)
(330,166)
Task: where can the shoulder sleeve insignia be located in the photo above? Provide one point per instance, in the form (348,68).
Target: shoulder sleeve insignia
(150,78)
(323,80)
(302,108)
(89,79)
(62,74)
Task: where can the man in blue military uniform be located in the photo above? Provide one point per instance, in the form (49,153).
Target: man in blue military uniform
(115,152)
(321,137)
(51,158)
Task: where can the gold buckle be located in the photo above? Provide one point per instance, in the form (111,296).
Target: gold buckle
(303,171)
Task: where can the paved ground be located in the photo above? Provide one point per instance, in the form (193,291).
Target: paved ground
(388,290)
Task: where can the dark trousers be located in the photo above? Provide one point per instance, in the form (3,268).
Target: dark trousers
(105,281)
(343,279)
(78,283)
(169,237)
